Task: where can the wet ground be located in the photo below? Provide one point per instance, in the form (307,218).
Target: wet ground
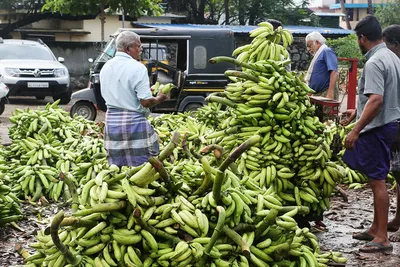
(355,216)
(341,220)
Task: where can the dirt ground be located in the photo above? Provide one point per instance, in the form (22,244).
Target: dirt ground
(341,220)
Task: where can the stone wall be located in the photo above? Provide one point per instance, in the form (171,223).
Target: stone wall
(76,55)
(299,55)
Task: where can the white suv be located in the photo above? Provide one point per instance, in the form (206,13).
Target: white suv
(29,68)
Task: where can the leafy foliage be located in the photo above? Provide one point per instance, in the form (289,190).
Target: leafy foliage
(240,11)
(389,14)
(346,47)
(131,7)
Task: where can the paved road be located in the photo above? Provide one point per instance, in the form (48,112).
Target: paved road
(32,103)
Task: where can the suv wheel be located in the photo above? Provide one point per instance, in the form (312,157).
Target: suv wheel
(85,109)
(2,107)
(64,97)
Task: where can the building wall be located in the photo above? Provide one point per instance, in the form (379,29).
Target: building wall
(76,55)
(321,3)
(362,12)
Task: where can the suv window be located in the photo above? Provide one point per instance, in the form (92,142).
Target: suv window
(16,51)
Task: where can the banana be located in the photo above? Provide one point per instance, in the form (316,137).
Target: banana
(107,257)
(151,241)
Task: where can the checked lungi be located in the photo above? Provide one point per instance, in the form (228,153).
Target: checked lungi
(129,138)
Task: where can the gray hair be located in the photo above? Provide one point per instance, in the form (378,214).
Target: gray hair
(316,36)
(125,39)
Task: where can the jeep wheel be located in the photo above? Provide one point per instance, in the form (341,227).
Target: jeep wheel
(85,109)
(64,97)
(2,107)
(192,107)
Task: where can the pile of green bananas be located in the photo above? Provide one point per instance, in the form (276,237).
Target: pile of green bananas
(46,142)
(354,178)
(294,157)
(210,115)
(265,44)
(150,216)
(9,203)
(225,190)
(191,129)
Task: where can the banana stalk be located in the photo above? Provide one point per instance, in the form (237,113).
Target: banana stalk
(147,174)
(221,100)
(238,151)
(219,179)
(236,62)
(238,240)
(207,176)
(55,224)
(158,166)
(268,220)
(72,190)
(215,234)
(241,75)
(102,207)
(77,222)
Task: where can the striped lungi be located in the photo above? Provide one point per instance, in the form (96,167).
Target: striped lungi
(129,138)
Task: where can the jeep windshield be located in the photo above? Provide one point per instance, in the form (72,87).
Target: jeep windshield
(106,54)
(155,53)
(15,51)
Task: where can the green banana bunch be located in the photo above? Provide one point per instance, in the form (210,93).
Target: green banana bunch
(215,197)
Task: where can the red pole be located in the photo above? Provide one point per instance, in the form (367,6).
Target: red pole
(351,90)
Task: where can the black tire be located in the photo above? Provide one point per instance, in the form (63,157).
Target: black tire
(2,107)
(64,97)
(85,109)
(192,107)
(40,97)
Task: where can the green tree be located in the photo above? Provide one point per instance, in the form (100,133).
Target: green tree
(32,13)
(36,10)
(346,47)
(131,8)
(239,11)
(389,14)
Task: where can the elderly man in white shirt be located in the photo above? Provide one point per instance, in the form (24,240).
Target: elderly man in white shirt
(129,138)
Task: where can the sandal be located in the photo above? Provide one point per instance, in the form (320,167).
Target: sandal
(376,247)
(363,236)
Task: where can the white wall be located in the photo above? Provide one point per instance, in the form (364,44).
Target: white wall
(321,3)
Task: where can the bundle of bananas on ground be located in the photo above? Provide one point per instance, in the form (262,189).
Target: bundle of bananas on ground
(210,115)
(9,202)
(293,157)
(265,44)
(45,143)
(145,219)
(354,178)
(192,130)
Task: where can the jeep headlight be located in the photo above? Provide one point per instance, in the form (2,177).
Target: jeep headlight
(95,79)
(13,72)
(59,72)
